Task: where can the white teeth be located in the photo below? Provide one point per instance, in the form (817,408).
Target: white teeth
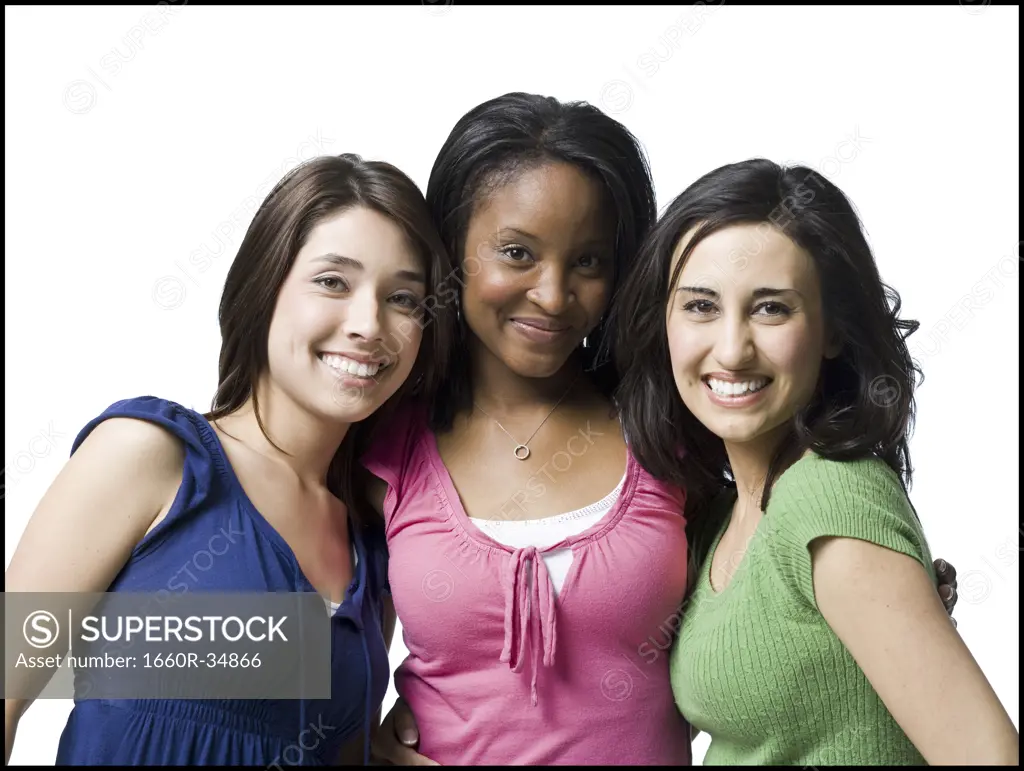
(348,366)
(725,388)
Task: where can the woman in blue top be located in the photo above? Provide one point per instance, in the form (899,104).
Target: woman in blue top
(322,325)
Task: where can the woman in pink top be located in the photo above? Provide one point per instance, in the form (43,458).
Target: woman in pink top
(531,557)
(537,570)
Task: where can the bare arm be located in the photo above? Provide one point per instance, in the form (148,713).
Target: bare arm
(895,627)
(109,494)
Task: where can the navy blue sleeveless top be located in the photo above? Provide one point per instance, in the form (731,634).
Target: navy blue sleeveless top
(212,516)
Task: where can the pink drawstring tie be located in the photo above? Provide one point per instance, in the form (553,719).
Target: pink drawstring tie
(528,594)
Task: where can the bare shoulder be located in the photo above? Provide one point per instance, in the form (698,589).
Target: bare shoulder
(136,444)
(115,486)
(128,460)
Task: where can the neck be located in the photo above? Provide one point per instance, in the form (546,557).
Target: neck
(309,442)
(498,389)
(750,462)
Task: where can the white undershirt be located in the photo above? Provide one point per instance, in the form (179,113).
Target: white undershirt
(542,533)
(355,564)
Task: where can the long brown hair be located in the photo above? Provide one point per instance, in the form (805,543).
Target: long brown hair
(864,405)
(310,193)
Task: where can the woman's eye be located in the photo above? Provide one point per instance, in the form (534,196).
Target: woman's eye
(406,301)
(700,307)
(773,309)
(515,253)
(331,283)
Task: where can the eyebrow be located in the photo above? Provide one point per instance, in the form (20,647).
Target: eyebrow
(504,232)
(764,291)
(348,262)
(699,290)
(597,242)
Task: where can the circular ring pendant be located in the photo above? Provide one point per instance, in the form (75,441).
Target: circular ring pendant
(522,452)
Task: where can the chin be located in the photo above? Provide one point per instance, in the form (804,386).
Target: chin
(537,367)
(739,432)
(734,435)
(347,407)
(734,428)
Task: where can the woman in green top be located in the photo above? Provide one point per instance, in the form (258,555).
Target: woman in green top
(757,300)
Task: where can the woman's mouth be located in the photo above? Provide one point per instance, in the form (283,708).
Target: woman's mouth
(540,330)
(346,366)
(735,393)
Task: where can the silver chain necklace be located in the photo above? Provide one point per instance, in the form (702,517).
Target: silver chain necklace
(522,451)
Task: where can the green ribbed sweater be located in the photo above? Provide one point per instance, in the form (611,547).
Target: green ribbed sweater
(756,665)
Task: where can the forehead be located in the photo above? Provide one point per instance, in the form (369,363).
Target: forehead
(750,255)
(364,235)
(555,202)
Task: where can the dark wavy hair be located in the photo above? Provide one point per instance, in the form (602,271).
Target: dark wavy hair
(312,192)
(504,136)
(864,402)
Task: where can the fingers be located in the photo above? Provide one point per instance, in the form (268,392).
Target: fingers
(397,738)
(383,742)
(405,725)
(389,750)
(403,756)
(945,572)
(949,597)
(946,575)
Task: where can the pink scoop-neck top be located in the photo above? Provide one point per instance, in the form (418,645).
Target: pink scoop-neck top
(500,670)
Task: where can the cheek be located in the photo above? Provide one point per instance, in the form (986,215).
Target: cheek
(291,322)
(491,287)
(685,349)
(302,323)
(404,336)
(593,297)
(796,352)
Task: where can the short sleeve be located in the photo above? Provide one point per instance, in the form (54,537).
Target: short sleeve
(389,453)
(860,499)
(169,415)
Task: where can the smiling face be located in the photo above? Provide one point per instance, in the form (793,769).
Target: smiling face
(538,268)
(746,338)
(345,332)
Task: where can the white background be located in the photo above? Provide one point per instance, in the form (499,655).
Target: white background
(136,137)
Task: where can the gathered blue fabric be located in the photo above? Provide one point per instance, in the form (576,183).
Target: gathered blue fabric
(214,540)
